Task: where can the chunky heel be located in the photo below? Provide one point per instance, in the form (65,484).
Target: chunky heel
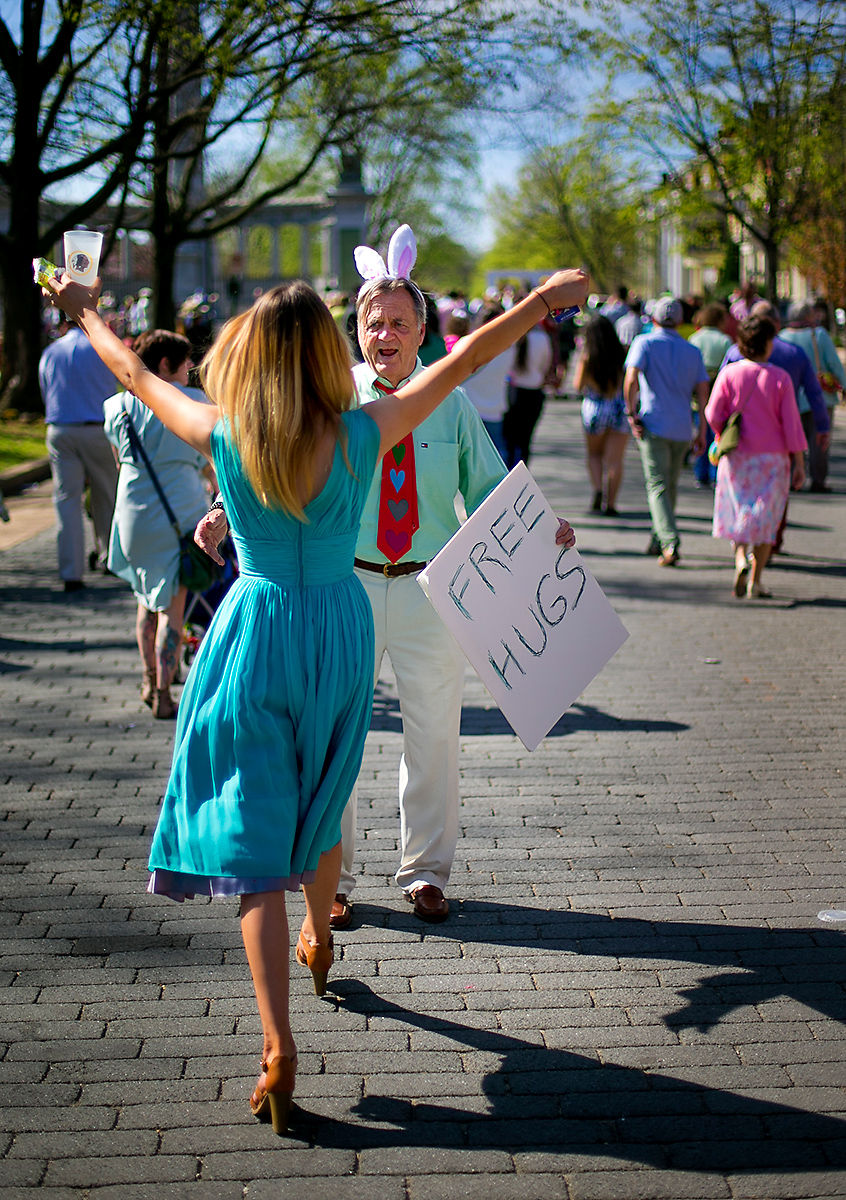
(273,1101)
(318,959)
(280,1108)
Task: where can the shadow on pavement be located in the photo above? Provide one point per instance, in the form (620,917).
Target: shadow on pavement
(489,722)
(804,965)
(560,1102)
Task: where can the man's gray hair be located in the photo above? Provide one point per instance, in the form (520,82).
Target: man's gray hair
(764,308)
(799,311)
(384,287)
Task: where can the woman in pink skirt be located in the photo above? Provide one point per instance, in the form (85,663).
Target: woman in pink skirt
(754,480)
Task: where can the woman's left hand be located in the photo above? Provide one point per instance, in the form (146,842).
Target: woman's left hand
(797,475)
(565,534)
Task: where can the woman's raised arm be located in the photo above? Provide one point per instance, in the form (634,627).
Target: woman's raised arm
(191,420)
(396,415)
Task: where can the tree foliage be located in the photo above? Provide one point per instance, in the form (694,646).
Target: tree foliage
(572,204)
(818,241)
(307,77)
(75,95)
(168,107)
(738,90)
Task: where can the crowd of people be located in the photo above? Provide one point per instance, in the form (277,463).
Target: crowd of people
(669,371)
(337,480)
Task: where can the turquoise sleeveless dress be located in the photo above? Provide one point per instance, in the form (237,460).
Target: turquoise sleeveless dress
(273,717)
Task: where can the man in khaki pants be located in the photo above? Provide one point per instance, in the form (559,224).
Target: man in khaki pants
(74,384)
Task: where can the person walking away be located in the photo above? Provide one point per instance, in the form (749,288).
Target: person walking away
(815,340)
(74,384)
(663,373)
(598,378)
(529,371)
(144,548)
(799,367)
(487,389)
(754,479)
(711,340)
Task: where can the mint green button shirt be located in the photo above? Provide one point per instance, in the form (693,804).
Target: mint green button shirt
(452,454)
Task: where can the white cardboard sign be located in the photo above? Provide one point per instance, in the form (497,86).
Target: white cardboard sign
(528,614)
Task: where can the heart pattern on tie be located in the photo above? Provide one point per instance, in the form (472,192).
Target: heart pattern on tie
(396,540)
(398,516)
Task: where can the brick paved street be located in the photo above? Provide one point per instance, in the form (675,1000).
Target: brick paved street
(633,999)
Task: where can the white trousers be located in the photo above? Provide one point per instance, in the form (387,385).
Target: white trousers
(429,670)
(77,453)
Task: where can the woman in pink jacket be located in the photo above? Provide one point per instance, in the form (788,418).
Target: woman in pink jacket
(754,480)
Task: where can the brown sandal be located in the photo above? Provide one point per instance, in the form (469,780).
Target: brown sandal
(272,1102)
(318,959)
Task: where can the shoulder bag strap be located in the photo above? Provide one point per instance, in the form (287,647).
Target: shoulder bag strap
(138,450)
(816,351)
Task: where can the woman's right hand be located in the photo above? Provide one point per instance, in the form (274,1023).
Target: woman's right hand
(565,289)
(71,297)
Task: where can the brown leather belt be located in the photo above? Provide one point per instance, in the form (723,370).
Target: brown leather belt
(391,570)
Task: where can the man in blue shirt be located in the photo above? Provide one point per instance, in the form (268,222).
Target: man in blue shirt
(74,383)
(663,372)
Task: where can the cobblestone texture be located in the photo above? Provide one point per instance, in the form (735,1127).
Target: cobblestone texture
(633,998)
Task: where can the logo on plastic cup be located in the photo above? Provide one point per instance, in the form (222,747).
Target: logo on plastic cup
(79,262)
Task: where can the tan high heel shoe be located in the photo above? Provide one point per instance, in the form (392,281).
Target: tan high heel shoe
(318,959)
(272,1102)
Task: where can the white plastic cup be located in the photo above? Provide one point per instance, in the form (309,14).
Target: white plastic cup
(82,254)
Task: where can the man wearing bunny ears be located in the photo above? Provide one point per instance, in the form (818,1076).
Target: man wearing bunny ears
(408,517)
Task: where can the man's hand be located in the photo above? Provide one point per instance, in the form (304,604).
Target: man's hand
(210,532)
(565,535)
(636,426)
(824,440)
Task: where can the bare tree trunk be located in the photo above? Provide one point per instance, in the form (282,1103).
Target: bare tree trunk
(164,270)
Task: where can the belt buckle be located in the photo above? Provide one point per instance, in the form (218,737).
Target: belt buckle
(386,570)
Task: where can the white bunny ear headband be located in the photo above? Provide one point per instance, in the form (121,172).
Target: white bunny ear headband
(402,255)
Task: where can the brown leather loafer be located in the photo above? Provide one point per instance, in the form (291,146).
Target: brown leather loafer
(341,914)
(429,903)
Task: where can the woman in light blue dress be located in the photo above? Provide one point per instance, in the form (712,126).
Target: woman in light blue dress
(144,547)
(271,727)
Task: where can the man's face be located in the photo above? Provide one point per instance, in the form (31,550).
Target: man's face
(390,336)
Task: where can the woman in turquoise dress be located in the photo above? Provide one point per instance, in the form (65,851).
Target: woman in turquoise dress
(272,723)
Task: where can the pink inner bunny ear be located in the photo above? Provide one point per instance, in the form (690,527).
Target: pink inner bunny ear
(369,264)
(402,252)
(406,262)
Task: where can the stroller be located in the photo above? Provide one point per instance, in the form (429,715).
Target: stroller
(200,607)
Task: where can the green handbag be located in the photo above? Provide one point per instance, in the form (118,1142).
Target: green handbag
(730,437)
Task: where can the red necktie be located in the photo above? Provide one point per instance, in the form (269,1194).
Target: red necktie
(398,520)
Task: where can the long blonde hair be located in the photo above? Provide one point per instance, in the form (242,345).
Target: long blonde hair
(280,373)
